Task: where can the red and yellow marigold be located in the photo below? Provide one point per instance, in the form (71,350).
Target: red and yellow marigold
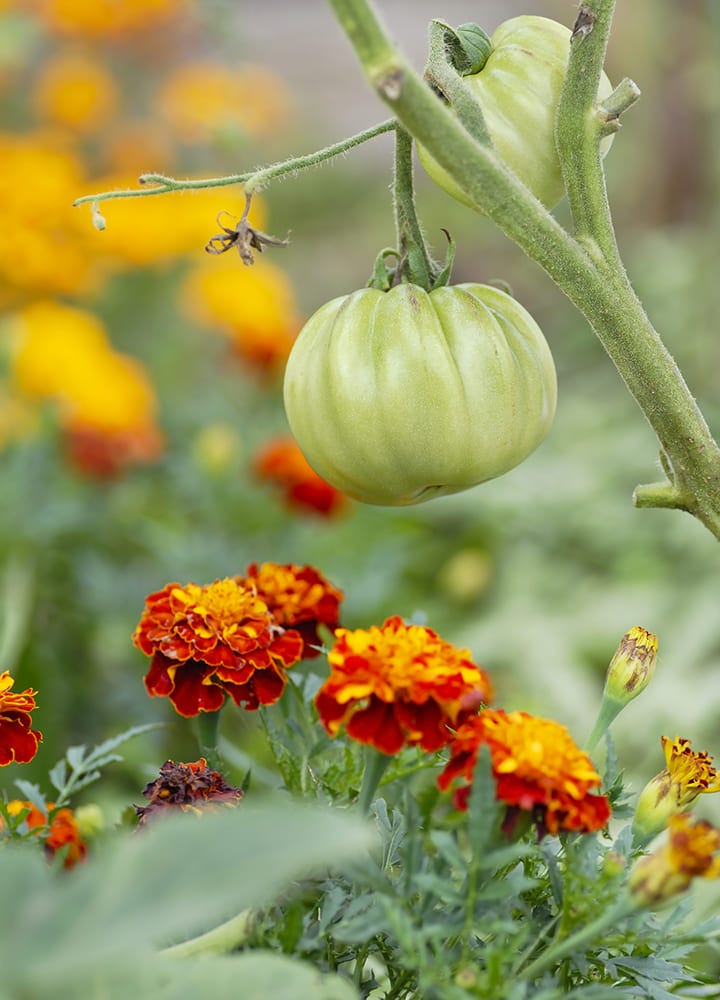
(208,642)
(62,830)
(398,685)
(281,463)
(18,741)
(692,850)
(537,767)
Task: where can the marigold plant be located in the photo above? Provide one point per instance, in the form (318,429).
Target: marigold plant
(538,768)
(692,850)
(56,829)
(188,787)
(397,685)
(209,642)
(18,741)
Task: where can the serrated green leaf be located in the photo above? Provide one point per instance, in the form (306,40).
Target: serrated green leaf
(75,756)
(115,741)
(33,793)
(58,775)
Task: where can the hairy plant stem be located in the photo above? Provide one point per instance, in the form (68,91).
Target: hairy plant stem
(253,180)
(414,259)
(586,267)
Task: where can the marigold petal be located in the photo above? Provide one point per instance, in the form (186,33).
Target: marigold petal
(194,693)
(377,725)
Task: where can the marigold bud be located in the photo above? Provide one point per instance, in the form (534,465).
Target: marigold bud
(690,851)
(633,665)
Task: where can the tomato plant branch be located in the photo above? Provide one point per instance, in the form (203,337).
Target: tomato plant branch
(419,265)
(588,270)
(253,180)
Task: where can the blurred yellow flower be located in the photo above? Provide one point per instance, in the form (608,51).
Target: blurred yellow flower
(75,90)
(203,98)
(104,18)
(253,306)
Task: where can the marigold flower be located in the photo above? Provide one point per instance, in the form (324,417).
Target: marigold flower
(103,454)
(537,767)
(102,19)
(212,641)
(687,775)
(76,91)
(18,742)
(691,851)
(282,463)
(298,597)
(62,832)
(398,685)
(203,99)
(188,787)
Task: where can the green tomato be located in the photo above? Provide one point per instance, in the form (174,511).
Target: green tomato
(400,396)
(518,90)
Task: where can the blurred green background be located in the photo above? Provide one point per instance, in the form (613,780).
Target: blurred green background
(540,572)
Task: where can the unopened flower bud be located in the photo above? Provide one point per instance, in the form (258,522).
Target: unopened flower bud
(633,665)
(90,820)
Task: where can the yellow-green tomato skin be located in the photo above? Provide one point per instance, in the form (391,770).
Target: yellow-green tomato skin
(518,90)
(400,396)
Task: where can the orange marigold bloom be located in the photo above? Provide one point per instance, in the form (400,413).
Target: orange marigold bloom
(692,850)
(687,774)
(75,90)
(99,19)
(192,787)
(212,641)
(537,768)
(18,742)
(103,454)
(62,832)
(398,685)
(298,597)
(282,463)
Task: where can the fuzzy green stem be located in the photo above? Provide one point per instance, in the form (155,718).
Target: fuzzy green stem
(418,266)
(588,270)
(220,940)
(662,494)
(622,98)
(445,78)
(590,934)
(376,764)
(609,711)
(253,180)
(208,728)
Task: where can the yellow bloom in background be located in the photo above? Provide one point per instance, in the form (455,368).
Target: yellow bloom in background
(73,89)
(46,243)
(201,99)
(98,19)
(691,851)
(254,307)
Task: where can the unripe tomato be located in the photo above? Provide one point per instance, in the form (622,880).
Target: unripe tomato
(518,90)
(400,396)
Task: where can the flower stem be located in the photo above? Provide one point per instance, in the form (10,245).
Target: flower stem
(253,180)
(221,939)
(376,763)
(208,727)
(418,264)
(609,711)
(588,268)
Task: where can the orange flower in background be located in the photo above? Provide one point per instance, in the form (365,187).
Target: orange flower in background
(105,454)
(692,850)
(254,307)
(18,742)
(201,99)
(298,597)
(398,685)
(62,832)
(192,787)
(101,19)
(209,642)
(537,766)
(73,89)
(282,463)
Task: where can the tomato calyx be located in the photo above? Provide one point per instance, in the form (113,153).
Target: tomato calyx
(467,47)
(394,267)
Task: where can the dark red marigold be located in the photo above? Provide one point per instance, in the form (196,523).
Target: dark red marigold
(282,463)
(192,787)
(298,597)
(209,642)
(18,742)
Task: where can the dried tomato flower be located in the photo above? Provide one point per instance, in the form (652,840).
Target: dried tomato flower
(61,832)
(687,774)
(398,685)
(212,641)
(537,768)
(692,850)
(298,597)
(18,742)
(282,463)
(189,787)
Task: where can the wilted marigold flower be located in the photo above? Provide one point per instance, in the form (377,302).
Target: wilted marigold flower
(18,742)
(62,831)
(212,641)
(691,851)
(282,463)
(687,774)
(298,597)
(537,768)
(398,685)
(192,787)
